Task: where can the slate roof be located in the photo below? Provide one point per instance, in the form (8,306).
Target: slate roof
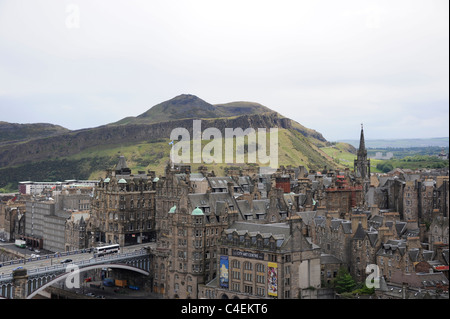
(220,182)
(260,207)
(400,227)
(278,231)
(122,164)
(376,221)
(308,217)
(319,221)
(391,246)
(215,202)
(360,233)
(346,225)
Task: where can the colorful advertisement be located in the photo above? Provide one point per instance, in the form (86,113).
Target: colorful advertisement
(272,279)
(223,276)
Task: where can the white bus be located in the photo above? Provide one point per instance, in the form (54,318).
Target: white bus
(109,249)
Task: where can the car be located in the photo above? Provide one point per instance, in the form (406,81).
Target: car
(65,261)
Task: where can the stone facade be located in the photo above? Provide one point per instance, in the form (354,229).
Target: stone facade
(123,208)
(76,231)
(265,261)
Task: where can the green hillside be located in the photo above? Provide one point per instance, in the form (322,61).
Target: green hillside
(294,149)
(14,132)
(144,141)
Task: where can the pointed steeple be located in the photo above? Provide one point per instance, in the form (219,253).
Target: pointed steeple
(362,164)
(362,152)
(122,167)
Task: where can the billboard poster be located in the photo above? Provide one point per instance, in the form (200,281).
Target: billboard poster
(223,275)
(272,279)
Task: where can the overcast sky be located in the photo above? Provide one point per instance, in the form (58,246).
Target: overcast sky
(329,65)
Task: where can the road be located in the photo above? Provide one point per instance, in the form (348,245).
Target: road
(54,260)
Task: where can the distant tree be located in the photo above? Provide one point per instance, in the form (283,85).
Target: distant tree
(344,281)
(385,167)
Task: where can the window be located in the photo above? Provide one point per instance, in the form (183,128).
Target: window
(260,268)
(260,291)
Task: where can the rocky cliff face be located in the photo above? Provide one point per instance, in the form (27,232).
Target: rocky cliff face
(14,132)
(76,141)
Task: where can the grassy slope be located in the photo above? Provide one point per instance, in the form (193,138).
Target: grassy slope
(14,132)
(294,149)
(342,154)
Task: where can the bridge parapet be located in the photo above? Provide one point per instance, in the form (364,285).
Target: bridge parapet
(81,263)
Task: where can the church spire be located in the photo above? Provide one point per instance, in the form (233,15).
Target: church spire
(362,164)
(362,152)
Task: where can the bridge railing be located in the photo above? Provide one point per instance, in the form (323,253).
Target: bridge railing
(80,263)
(44,257)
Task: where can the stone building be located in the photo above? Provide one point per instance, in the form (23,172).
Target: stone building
(76,231)
(123,208)
(402,255)
(438,233)
(333,235)
(265,261)
(194,225)
(12,218)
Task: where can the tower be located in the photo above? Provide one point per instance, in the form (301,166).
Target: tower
(362,164)
(362,168)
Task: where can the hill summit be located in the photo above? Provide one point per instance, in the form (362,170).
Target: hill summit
(187,106)
(144,140)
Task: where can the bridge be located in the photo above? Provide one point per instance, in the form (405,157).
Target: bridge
(46,270)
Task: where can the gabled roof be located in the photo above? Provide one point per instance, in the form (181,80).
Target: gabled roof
(319,221)
(360,233)
(121,164)
(400,227)
(428,255)
(413,254)
(373,237)
(211,200)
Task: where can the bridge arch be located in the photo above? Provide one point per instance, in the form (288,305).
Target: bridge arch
(80,270)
